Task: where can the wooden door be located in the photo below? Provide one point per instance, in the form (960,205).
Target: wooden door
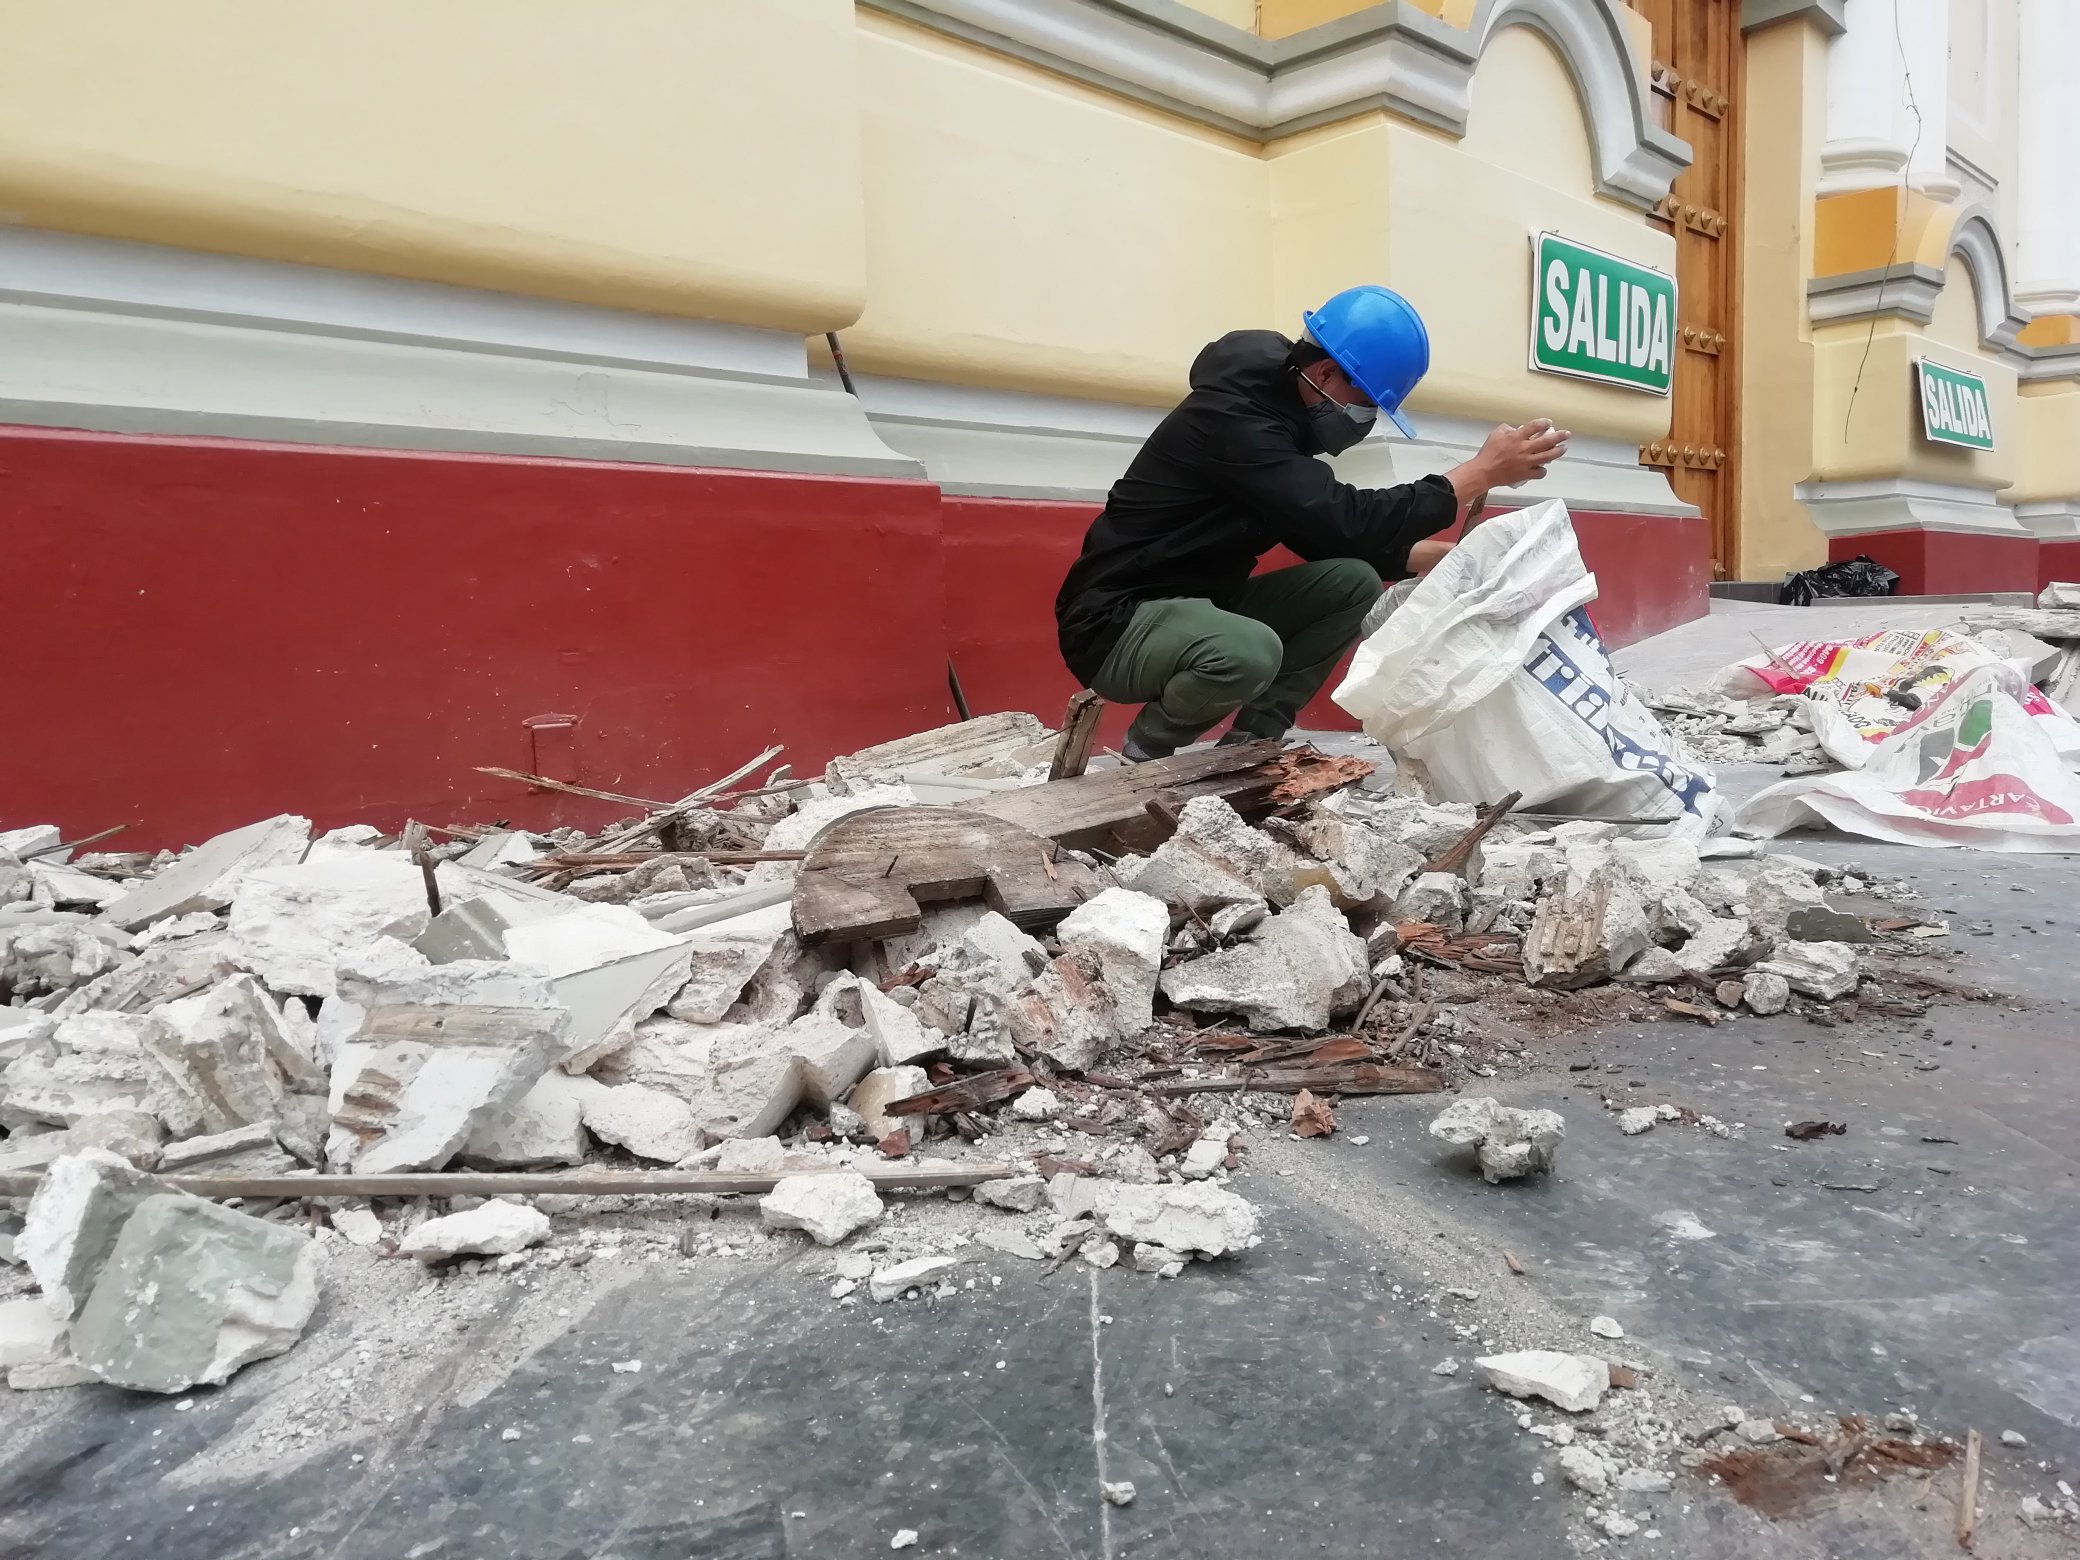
(1697,94)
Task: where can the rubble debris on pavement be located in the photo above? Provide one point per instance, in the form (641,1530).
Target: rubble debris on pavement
(724,997)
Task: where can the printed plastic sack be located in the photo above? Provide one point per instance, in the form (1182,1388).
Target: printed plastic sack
(1847,682)
(1489,673)
(1969,768)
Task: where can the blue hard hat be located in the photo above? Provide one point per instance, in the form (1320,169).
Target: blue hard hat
(1377,338)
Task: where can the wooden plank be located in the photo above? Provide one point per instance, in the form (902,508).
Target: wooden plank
(1086,809)
(863,872)
(1968,1493)
(575,1183)
(1072,749)
(1350,1078)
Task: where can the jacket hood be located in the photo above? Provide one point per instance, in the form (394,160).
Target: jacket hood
(1250,364)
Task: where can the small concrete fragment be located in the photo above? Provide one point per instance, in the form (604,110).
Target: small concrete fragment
(891,1283)
(360,1226)
(29,1334)
(1508,1142)
(1606,1327)
(1099,1253)
(543,1127)
(828,1208)
(1159,1260)
(467,929)
(649,1123)
(1823,969)
(191,1292)
(1017,1193)
(1066,1013)
(1764,992)
(1584,937)
(1758,1432)
(491,1230)
(1011,1241)
(900,1037)
(130,1135)
(1439,898)
(290,924)
(874,1093)
(723,956)
(1213,859)
(1585,1470)
(1640,1118)
(1117,1492)
(1126,931)
(1036,1104)
(1205,1157)
(208,876)
(1297,971)
(1645,1481)
(1198,1219)
(1575,1382)
(74,1219)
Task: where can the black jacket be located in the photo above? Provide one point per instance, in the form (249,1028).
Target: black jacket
(1227,476)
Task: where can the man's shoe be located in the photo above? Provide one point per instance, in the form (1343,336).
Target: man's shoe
(1134,753)
(1235,736)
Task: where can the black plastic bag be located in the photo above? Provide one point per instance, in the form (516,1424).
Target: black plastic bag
(1859,576)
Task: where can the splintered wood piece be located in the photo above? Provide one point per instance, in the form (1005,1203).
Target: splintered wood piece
(869,874)
(1968,1493)
(970,1093)
(455,1025)
(1456,856)
(1348,1078)
(1305,773)
(1072,749)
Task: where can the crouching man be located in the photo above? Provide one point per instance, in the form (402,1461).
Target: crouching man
(1161,608)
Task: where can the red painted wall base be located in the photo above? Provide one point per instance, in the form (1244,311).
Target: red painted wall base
(2057,561)
(1946,563)
(204,632)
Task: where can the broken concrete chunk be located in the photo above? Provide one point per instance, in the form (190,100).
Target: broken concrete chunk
(1765,993)
(418,1080)
(467,929)
(1657,867)
(1520,871)
(798,831)
(751,1156)
(900,1037)
(492,1229)
(1575,1382)
(1585,1469)
(191,1292)
(290,924)
(649,1123)
(722,958)
(1126,931)
(359,1225)
(1214,859)
(238,1060)
(1655,967)
(749,1087)
(986,745)
(74,1217)
(1017,1193)
(1036,1104)
(130,1135)
(606,964)
(1159,1260)
(1011,1241)
(1067,1014)
(1205,1157)
(1645,1481)
(1712,945)
(1197,1219)
(1440,898)
(1585,937)
(543,1127)
(1640,1118)
(1295,972)
(873,1094)
(832,1057)
(1508,1142)
(1825,969)
(248,1150)
(30,1334)
(828,1208)
(208,876)
(45,951)
(891,1283)
(1367,868)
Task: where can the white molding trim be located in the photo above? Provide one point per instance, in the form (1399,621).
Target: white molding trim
(136,338)
(1600,475)
(2055,520)
(1830,16)
(2044,364)
(1977,240)
(1391,56)
(1905,504)
(1906,292)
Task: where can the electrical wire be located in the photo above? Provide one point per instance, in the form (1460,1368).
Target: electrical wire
(1899,225)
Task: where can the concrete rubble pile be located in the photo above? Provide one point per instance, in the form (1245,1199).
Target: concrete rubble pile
(277,1000)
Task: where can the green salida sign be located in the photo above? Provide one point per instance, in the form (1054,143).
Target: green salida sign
(1954,408)
(1597,316)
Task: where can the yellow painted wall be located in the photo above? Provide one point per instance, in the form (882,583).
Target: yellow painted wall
(2049,416)
(1784,130)
(679,156)
(1236,13)
(1283,18)
(1883,431)
(1449,223)
(1027,233)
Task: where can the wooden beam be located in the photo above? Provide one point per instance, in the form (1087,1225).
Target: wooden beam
(1072,749)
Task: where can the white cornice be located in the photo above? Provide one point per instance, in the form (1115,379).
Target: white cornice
(1391,57)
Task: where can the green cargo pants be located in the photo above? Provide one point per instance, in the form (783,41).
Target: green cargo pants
(1190,662)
